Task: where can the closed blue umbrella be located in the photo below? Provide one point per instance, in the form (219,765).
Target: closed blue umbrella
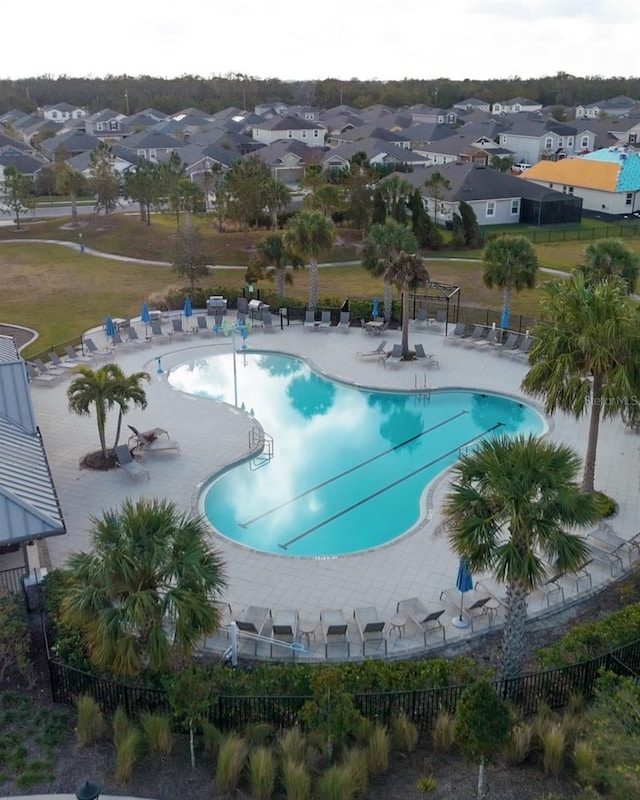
(504,322)
(464,583)
(374,308)
(145,316)
(109,327)
(187,310)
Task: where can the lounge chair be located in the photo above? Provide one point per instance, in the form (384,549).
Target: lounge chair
(134,340)
(73,355)
(285,626)
(334,629)
(395,356)
(267,322)
(63,365)
(253,622)
(125,461)
(609,557)
(49,369)
(510,343)
(426,358)
(460,332)
(477,335)
(325,321)
(440,317)
(421,320)
(176,328)
(370,625)
(42,378)
(157,332)
(96,352)
(310,322)
(377,353)
(522,349)
(427,621)
(343,324)
(156,440)
(489,340)
(203,328)
(476,610)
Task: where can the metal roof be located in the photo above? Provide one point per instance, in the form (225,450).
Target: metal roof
(29,507)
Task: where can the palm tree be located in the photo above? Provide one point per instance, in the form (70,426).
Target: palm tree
(509,511)
(511,263)
(273,253)
(611,257)
(395,191)
(103,388)
(406,271)
(382,246)
(584,356)
(72,182)
(150,570)
(308,236)
(437,186)
(278,197)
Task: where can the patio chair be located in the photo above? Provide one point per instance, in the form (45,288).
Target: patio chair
(425,358)
(427,621)
(95,352)
(126,461)
(510,343)
(63,365)
(370,625)
(267,322)
(35,376)
(253,622)
(325,321)
(343,323)
(334,630)
(156,331)
(522,348)
(49,369)
(479,611)
(203,329)
(309,322)
(377,353)
(440,317)
(488,340)
(134,340)
(156,440)
(608,556)
(421,320)
(460,332)
(605,535)
(477,335)
(74,356)
(394,357)
(285,626)
(178,329)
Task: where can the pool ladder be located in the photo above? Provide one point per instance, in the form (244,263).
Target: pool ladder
(259,438)
(423,390)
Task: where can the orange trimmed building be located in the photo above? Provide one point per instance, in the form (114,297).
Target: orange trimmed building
(608,181)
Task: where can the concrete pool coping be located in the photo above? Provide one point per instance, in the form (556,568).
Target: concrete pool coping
(213,435)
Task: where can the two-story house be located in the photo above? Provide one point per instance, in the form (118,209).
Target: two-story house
(62,112)
(473,104)
(153,146)
(615,107)
(515,106)
(289,127)
(534,139)
(106,125)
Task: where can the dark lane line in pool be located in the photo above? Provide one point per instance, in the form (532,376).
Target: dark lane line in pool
(389,486)
(351,469)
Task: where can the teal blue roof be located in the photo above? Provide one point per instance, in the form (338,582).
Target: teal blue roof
(629,173)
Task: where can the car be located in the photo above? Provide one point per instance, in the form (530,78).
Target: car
(521,166)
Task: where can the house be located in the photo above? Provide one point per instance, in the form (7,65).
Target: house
(615,107)
(152,145)
(29,506)
(310,113)
(106,125)
(70,143)
(422,113)
(532,139)
(608,181)
(123,161)
(288,159)
(378,153)
(62,112)
(473,104)
(495,197)
(515,106)
(27,164)
(289,127)
(201,160)
(372,130)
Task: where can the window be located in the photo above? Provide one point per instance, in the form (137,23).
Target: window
(304,134)
(633,138)
(316,134)
(560,142)
(548,143)
(113,125)
(99,126)
(516,108)
(515,207)
(308,115)
(491,209)
(584,142)
(570,141)
(290,134)
(628,200)
(54,114)
(153,154)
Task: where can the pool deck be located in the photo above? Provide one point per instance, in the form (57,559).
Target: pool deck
(213,435)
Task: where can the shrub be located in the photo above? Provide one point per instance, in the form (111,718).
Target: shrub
(157,731)
(426,783)
(553,742)
(404,734)
(121,725)
(606,505)
(357,761)
(292,745)
(337,783)
(443,732)
(259,733)
(584,761)
(231,761)
(261,771)
(128,752)
(14,636)
(211,738)
(378,750)
(519,744)
(296,781)
(90,725)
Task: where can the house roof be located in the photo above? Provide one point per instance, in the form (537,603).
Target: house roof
(587,174)
(626,162)
(618,102)
(29,507)
(152,140)
(374,148)
(275,152)
(26,164)
(288,123)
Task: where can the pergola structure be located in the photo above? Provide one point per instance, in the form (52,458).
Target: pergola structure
(438,296)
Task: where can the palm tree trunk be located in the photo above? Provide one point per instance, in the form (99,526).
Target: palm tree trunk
(118,429)
(274,218)
(514,632)
(481,781)
(74,210)
(387,300)
(101,420)
(279,276)
(506,302)
(405,322)
(589,475)
(313,284)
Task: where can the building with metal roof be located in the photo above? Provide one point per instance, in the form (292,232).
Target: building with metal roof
(29,506)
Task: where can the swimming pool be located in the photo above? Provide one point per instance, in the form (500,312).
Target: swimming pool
(349,466)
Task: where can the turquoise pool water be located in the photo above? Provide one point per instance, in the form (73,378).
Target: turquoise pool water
(349,466)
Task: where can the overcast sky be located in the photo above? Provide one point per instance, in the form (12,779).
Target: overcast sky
(298,41)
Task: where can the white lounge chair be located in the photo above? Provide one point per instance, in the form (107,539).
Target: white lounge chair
(325,321)
(343,324)
(310,323)
(74,356)
(49,369)
(421,320)
(156,440)
(334,629)
(426,358)
(134,340)
(427,621)
(459,333)
(95,352)
(395,356)
(253,622)
(285,626)
(377,353)
(35,376)
(125,461)
(370,625)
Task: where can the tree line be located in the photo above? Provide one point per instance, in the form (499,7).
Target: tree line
(129,94)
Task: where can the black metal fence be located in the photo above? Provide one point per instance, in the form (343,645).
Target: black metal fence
(581,234)
(555,687)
